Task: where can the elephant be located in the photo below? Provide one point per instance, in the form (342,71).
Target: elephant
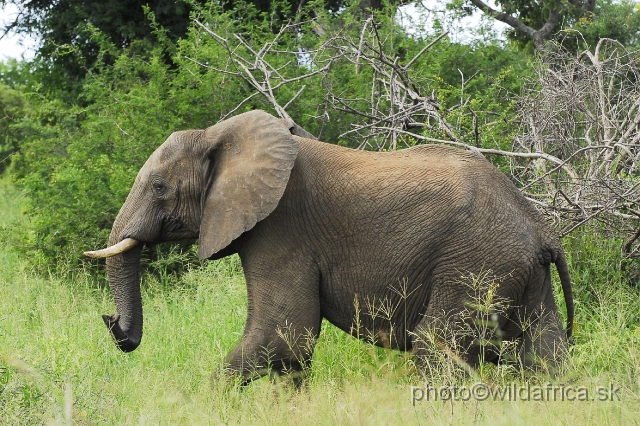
(328,232)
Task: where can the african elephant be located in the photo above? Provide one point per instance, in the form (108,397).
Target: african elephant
(324,231)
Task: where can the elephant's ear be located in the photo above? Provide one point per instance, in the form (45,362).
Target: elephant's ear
(251,157)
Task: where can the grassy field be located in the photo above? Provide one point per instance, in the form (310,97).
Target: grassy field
(59,366)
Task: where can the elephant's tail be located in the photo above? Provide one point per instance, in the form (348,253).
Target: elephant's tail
(565,280)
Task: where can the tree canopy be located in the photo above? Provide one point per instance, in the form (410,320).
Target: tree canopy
(537,22)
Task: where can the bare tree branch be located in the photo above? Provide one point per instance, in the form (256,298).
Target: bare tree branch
(539,36)
(257,70)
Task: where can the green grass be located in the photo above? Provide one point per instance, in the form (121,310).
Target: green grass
(59,366)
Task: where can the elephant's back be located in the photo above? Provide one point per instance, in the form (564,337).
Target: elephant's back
(446,161)
(482,179)
(446,193)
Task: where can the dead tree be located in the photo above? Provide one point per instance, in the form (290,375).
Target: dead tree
(584,110)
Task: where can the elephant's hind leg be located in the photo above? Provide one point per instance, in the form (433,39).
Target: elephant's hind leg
(455,338)
(544,344)
(451,330)
(466,317)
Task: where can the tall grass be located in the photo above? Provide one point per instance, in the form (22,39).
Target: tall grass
(59,366)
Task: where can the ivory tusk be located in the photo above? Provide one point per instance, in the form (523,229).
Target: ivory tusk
(114,250)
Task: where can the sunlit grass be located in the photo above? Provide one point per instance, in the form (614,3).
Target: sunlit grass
(59,366)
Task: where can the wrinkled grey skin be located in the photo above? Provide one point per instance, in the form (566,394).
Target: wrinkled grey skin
(329,232)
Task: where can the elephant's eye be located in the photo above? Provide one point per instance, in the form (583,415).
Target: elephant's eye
(159,188)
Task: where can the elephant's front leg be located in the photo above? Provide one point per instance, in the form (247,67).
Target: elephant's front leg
(274,349)
(283,323)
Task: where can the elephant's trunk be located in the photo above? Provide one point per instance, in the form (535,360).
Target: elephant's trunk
(123,273)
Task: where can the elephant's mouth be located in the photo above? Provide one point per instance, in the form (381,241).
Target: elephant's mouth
(175,228)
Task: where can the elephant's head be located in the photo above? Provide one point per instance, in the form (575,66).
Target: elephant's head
(211,184)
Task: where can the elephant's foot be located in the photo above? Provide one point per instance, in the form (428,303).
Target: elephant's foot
(278,372)
(242,365)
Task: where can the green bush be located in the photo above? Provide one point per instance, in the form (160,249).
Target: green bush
(12,104)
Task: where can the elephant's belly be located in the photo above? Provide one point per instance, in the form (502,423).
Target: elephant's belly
(378,331)
(381,315)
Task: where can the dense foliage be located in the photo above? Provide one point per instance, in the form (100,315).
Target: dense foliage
(65,28)
(78,160)
(11,109)
(611,19)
